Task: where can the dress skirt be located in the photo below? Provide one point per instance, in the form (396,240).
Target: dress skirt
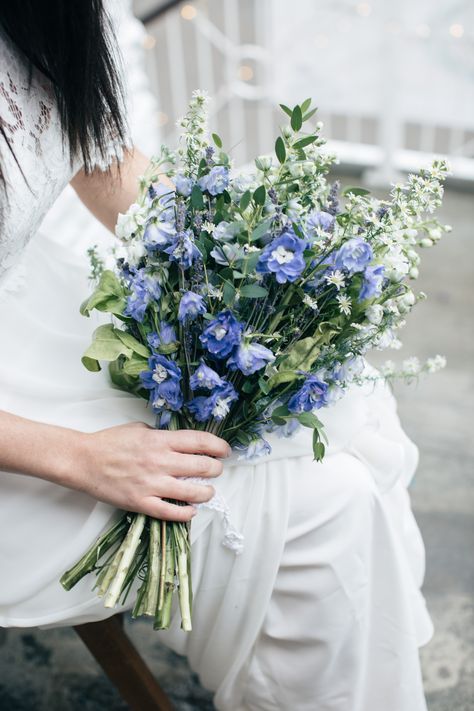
(321,611)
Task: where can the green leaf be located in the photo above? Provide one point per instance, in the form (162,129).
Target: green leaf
(286,109)
(217,140)
(252,291)
(302,355)
(311,113)
(305,105)
(131,342)
(123,381)
(261,230)
(296,118)
(280,149)
(109,295)
(249,263)
(135,365)
(245,200)
(91,364)
(325,332)
(297,230)
(197,201)
(168,348)
(243,437)
(303,142)
(309,419)
(106,345)
(228,294)
(351,190)
(248,387)
(263,385)
(259,195)
(284,376)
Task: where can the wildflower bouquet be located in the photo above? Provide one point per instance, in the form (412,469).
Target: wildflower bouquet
(241,304)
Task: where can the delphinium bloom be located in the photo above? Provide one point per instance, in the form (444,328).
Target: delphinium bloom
(372,283)
(191,306)
(283,256)
(205,377)
(354,255)
(216,405)
(222,334)
(216,181)
(163,379)
(250,357)
(144,289)
(311,396)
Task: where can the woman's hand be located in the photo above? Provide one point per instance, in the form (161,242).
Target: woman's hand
(130,466)
(134,467)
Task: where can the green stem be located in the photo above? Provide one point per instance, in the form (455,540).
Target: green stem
(124,557)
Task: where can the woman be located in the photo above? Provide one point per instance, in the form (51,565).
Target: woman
(322,610)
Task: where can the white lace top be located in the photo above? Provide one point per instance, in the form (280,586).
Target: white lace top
(31,122)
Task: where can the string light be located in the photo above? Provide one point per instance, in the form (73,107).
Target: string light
(188,12)
(363,9)
(456,30)
(149,41)
(245,72)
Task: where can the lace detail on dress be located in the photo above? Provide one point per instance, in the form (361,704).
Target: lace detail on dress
(31,122)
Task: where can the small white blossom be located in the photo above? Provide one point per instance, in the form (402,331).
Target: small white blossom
(435,364)
(208,227)
(374,314)
(336,278)
(388,368)
(411,366)
(345,304)
(309,301)
(131,221)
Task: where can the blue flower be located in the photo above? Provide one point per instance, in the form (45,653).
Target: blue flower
(216,405)
(158,235)
(250,357)
(183,249)
(311,396)
(205,377)
(163,379)
(166,335)
(216,181)
(222,334)
(354,255)
(284,257)
(258,447)
(144,289)
(372,283)
(183,185)
(319,220)
(191,306)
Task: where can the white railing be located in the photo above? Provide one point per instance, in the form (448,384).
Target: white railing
(388,108)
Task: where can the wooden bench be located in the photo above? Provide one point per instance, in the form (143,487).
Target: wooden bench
(121,662)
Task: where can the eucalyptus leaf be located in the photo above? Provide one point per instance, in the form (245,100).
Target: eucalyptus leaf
(253,291)
(308,115)
(309,419)
(197,200)
(305,105)
(228,294)
(303,142)
(296,118)
(280,149)
(261,230)
(106,345)
(245,200)
(284,376)
(259,195)
(217,140)
(286,109)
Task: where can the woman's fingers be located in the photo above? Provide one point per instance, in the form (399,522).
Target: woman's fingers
(195,442)
(187,491)
(155,507)
(178,464)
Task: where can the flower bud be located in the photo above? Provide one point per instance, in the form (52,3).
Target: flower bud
(287,131)
(414,273)
(426,242)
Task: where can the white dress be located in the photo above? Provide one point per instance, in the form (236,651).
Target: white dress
(322,610)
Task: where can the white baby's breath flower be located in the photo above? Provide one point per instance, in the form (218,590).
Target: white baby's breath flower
(374,314)
(388,368)
(208,227)
(337,278)
(345,304)
(435,364)
(411,366)
(309,301)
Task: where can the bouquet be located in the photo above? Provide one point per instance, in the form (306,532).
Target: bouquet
(243,303)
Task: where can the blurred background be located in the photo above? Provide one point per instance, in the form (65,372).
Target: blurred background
(394,83)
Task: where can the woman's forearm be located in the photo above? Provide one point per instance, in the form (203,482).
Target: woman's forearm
(41,450)
(107,194)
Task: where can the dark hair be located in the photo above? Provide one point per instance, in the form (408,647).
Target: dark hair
(72,43)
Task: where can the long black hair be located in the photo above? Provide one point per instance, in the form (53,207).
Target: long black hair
(72,43)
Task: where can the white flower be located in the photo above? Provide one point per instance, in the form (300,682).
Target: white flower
(345,304)
(208,227)
(435,364)
(374,314)
(396,263)
(337,278)
(309,301)
(130,222)
(388,368)
(411,366)
(135,251)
